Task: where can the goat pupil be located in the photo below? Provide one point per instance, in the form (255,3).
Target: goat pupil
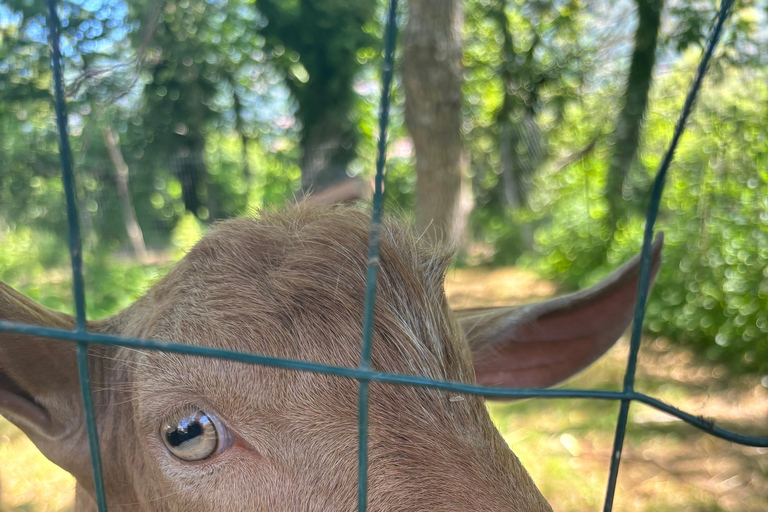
(184,434)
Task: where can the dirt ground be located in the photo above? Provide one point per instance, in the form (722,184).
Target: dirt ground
(565,444)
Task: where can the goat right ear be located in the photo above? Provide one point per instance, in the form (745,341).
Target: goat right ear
(39,385)
(540,345)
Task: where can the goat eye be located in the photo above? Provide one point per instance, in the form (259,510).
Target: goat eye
(191,437)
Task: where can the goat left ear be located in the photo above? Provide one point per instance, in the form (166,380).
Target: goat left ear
(39,385)
(542,344)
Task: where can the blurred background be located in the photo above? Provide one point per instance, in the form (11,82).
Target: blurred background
(525,133)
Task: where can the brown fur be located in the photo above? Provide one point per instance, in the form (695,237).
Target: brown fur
(291,284)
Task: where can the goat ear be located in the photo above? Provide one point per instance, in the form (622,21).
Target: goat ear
(347,190)
(542,344)
(39,386)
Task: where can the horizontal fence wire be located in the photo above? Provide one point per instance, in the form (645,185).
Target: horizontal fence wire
(364,374)
(373,376)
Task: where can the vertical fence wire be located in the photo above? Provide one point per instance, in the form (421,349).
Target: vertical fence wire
(645,258)
(387,71)
(75,252)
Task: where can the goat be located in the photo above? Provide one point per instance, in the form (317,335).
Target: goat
(194,434)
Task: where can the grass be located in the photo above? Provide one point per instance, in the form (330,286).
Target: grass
(28,481)
(565,444)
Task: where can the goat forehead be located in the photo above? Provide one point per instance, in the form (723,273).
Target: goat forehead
(403,341)
(294,287)
(316,250)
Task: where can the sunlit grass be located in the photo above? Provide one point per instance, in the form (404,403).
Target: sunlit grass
(28,481)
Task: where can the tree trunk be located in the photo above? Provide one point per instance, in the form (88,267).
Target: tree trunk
(328,146)
(432,76)
(112,142)
(246,166)
(327,37)
(188,166)
(522,152)
(626,136)
(520,141)
(241,130)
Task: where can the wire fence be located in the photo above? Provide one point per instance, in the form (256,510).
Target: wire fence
(364,373)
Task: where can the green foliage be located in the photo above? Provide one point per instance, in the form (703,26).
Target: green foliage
(526,62)
(318,78)
(715,286)
(712,291)
(321,76)
(37,264)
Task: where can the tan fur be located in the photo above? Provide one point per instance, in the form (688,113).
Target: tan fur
(291,284)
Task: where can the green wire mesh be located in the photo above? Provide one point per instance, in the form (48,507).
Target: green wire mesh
(364,374)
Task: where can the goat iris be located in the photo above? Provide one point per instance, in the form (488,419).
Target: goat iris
(191,437)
